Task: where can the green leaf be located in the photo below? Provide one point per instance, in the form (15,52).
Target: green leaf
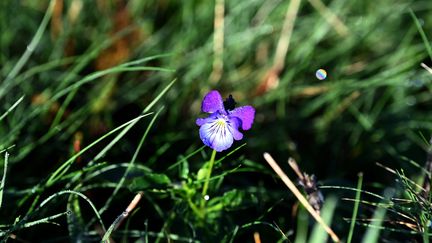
(232,199)
(184,168)
(202,173)
(228,201)
(149,180)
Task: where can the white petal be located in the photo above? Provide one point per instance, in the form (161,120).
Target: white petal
(216,134)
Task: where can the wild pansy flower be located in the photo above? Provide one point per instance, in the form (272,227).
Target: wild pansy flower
(221,128)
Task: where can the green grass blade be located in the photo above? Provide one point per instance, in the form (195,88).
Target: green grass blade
(31,47)
(2,183)
(318,233)
(39,221)
(44,220)
(22,223)
(372,234)
(185,158)
(149,106)
(162,93)
(422,33)
(80,195)
(12,107)
(302,225)
(64,167)
(73,88)
(426,235)
(353,189)
(107,235)
(145,59)
(356,206)
(131,163)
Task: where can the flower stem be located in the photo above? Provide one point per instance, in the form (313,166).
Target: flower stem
(207,180)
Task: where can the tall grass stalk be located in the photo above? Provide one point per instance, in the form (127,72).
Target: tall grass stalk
(3,180)
(356,206)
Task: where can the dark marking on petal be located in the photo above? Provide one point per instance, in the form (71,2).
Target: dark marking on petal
(229,103)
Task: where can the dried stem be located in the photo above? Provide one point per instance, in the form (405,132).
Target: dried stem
(117,222)
(257,238)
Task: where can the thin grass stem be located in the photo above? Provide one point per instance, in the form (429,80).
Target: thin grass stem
(356,206)
(2,183)
(32,46)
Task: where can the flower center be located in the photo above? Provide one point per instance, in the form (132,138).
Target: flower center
(221,122)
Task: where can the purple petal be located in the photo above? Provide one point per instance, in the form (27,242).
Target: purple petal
(246,114)
(234,124)
(200,121)
(211,117)
(212,102)
(215,133)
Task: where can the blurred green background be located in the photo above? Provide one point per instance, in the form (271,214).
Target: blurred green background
(374,105)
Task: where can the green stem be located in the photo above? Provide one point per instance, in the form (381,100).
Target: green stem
(207,179)
(356,206)
(195,208)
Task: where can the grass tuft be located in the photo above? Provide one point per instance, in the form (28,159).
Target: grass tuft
(99,101)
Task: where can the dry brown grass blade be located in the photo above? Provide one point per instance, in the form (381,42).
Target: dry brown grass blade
(271,78)
(122,48)
(330,17)
(296,168)
(426,67)
(132,205)
(257,238)
(299,196)
(286,33)
(57,19)
(218,41)
(312,91)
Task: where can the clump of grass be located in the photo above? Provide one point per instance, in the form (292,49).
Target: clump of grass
(90,116)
